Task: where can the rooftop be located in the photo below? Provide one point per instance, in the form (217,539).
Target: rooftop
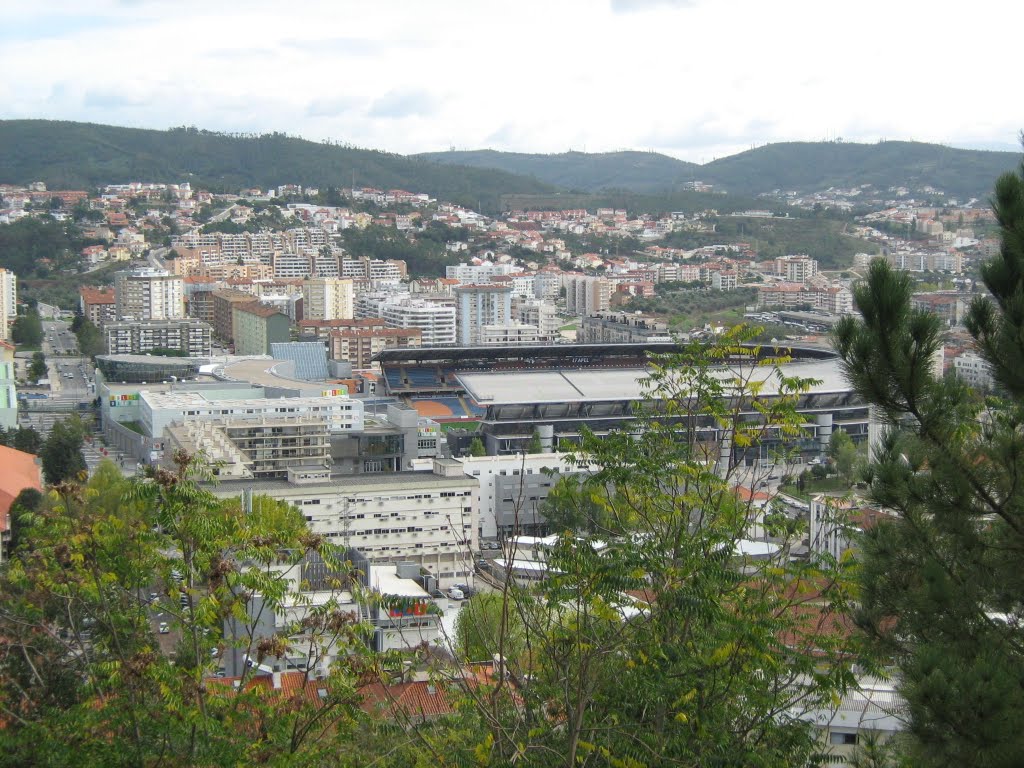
(615,384)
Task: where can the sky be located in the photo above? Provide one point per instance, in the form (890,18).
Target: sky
(695,79)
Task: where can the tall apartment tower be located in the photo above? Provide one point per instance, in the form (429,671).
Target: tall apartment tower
(149,294)
(8,301)
(586,295)
(480,305)
(327,298)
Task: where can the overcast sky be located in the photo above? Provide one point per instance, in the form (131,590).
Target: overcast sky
(696,79)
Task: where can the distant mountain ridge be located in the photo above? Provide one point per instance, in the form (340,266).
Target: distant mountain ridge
(791,166)
(643,172)
(83,155)
(73,155)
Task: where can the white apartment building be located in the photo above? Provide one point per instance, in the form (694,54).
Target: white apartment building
(8,301)
(158,410)
(547,284)
(479,273)
(428,518)
(796,269)
(974,370)
(327,298)
(541,314)
(435,321)
(586,295)
(479,306)
(149,294)
(510,333)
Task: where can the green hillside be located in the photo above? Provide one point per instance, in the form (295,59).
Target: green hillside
(798,166)
(633,171)
(68,155)
(808,166)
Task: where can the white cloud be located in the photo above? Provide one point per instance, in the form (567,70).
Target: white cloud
(694,79)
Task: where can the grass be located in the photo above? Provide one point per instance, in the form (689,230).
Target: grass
(467,424)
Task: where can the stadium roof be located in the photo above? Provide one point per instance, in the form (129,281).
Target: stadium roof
(570,352)
(614,384)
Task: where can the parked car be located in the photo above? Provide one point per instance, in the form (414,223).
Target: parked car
(164,628)
(456,594)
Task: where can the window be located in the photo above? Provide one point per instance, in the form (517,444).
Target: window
(842,739)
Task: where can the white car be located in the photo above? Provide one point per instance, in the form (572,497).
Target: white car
(164,628)
(456,594)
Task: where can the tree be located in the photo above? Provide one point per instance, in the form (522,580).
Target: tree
(476,447)
(25,439)
(37,368)
(655,641)
(486,627)
(534,444)
(942,581)
(28,329)
(83,677)
(843,453)
(90,339)
(62,451)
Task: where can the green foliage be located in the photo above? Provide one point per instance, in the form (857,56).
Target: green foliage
(21,439)
(575,508)
(694,307)
(37,368)
(90,338)
(843,453)
(28,329)
(942,580)
(534,444)
(86,681)
(62,451)
(476,447)
(801,166)
(653,641)
(70,155)
(820,238)
(423,256)
(487,626)
(29,243)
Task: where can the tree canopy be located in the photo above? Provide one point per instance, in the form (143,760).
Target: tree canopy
(942,581)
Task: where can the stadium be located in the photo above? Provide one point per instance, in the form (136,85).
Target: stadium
(556,390)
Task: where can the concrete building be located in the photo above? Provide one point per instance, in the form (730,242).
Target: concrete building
(327,298)
(265,448)
(510,333)
(257,326)
(360,345)
(135,337)
(541,314)
(479,306)
(8,301)
(974,370)
(622,328)
(149,294)
(586,295)
(436,322)
(373,270)
(8,388)
(513,488)
(158,410)
(796,269)
(426,518)
(224,303)
(98,305)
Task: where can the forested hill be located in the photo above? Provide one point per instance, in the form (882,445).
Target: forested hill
(644,172)
(798,166)
(69,155)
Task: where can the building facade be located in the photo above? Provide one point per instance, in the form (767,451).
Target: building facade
(192,338)
(257,326)
(479,306)
(327,298)
(149,294)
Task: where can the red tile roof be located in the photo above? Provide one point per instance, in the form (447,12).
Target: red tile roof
(20,471)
